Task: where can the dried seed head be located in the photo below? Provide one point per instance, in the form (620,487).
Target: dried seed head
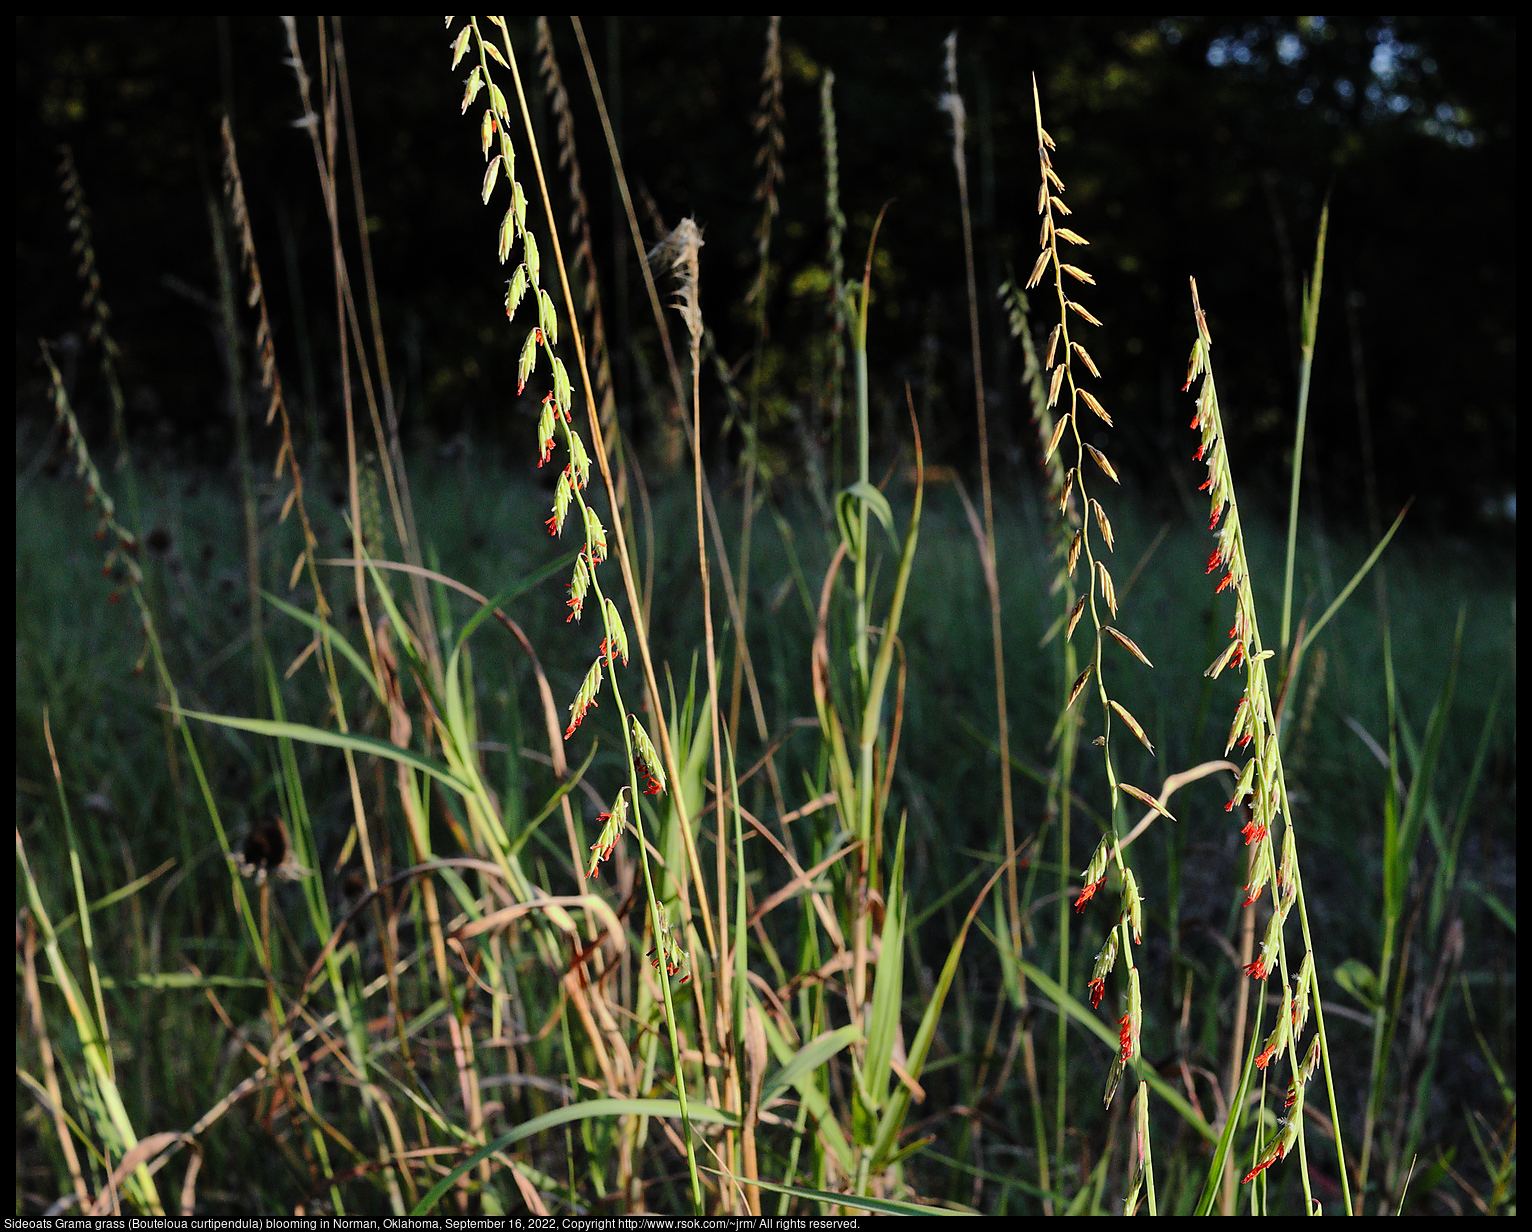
(1090,401)
(1132,724)
(1139,793)
(1036,276)
(1079,685)
(1074,617)
(1079,309)
(1058,434)
(1108,591)
(1127,644)
(680,249)
(1102,522)
(1054,384)
(1106,467)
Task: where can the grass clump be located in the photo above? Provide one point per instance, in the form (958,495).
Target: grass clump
(777,922)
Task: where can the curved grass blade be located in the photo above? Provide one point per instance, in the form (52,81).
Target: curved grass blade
(334,636)
(668,1108)
(1082,1014)
(335,740)
(798,1068)
(808,1059)
(878,1206)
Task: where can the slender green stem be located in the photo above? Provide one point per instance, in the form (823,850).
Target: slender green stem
(1305,371)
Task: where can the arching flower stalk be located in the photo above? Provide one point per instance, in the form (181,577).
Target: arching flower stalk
(537,355)
(1065,366)
(1261,787)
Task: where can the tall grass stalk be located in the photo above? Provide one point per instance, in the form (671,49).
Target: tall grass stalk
(952,102)
(1262,784)
(837,306)
(731,593)
(1063,353)
(1059,790)
(768,122)
(84,247)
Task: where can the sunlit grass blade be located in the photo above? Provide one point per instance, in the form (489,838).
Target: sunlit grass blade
(304,733)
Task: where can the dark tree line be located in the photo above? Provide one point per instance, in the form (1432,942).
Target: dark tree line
(1190,146)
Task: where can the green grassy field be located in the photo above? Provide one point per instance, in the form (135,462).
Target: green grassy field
(137,817)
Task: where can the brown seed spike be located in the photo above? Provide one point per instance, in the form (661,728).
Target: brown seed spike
(1037,270)
(1128,644)
(1081,310)
(1079,684)
(1058,435)
(1102,522)
(1132,723)
(1108,591)
(1103,463)
(1074,618)
(1066,488)
(1090,401)
(1139,794)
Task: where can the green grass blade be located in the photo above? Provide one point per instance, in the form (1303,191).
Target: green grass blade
(1356,579)
(899,1103)
(1082,1013)
(807,1059)
(877,1206)
(798,1069)
(669,1108)
(333,636)
(336,740)
(888,991)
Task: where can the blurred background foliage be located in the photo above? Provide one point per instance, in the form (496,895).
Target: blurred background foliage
(1197,146)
